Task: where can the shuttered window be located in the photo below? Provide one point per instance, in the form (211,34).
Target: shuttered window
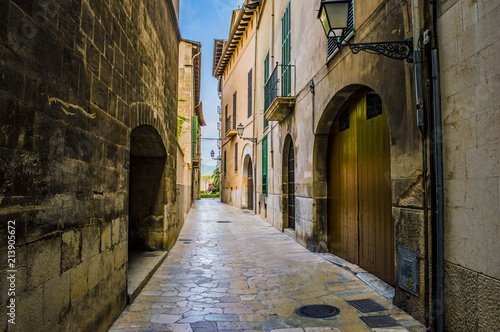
(194,130)
(236,157)
(264,166)
(331,45)
(250,79)
(286,49)
(234,111)
(225,163)
(266,77)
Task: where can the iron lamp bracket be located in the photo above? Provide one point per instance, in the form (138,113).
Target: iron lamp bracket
(399,50)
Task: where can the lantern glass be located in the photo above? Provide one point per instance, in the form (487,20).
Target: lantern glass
(212,153)
(334,15)
(240,130)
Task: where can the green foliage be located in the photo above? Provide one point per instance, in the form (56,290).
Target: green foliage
(180,121)
(210,195)
(216,178)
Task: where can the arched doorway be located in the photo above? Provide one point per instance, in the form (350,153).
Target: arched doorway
(289,184)
(147,190)
(360,223)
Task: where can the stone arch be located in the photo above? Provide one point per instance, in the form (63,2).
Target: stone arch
(247,178)
(320,158)
(355,197)
(147,192)
(288,145)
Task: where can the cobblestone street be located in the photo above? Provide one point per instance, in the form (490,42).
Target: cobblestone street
(231,270)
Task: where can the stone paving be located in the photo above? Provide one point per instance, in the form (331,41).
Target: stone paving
(242,274)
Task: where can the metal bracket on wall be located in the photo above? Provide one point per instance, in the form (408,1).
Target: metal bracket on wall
(399,50)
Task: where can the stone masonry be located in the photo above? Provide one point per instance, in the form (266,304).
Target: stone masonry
(77,76)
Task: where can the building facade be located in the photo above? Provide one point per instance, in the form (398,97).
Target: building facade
(189,122)
(235,70)
(347,147)
(88,103)
(471,141)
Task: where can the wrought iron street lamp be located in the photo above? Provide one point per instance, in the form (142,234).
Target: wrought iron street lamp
(212,154)
(240,130)
(334,15)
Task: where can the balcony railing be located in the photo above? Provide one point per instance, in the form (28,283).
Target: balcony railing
(230,126)
(281,85)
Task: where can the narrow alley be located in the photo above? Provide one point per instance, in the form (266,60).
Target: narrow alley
(231,270)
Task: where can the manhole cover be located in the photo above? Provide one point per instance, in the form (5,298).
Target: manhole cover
(224,222)
(367,305)
(379,321)
(317,311)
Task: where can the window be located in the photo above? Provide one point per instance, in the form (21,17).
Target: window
(266,68)
(225,163)
(331,46)
(236,157)
(286,48)
(225,118)
(234,110)
(267,102)
(264,166)
(250,93)
(194,131)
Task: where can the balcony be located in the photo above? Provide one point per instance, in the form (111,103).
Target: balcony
(279,99)
(231,126)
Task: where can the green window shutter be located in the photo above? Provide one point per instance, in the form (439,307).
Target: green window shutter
(266,77)
(286,48)
(331,44)
(194,130)
(264,166)
(266,68)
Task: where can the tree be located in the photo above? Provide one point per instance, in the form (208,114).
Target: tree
(216,178)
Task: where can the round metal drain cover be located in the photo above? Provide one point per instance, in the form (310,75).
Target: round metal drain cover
(317,311)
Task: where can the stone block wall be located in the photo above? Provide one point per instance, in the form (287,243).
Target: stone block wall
(76,77)
(469,47)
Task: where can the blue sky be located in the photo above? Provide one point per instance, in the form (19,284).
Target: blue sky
(202,21)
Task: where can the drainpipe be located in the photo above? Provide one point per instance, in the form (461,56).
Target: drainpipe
(312,88)
(437,158)
(438,181)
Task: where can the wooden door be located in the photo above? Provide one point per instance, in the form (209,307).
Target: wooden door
(361,228)
(250,185)
(291,187)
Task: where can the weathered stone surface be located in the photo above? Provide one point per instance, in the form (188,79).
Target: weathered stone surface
(95,270)
(115,231)
(488,308)
(29,312)
(79,281)
(56,297)
(91,242)
(44,261)
(461,309)
(106,236)
(71,250)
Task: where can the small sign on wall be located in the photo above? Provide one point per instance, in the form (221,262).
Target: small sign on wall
(408,270)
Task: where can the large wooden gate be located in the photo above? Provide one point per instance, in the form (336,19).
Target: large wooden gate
(250,184)
(291,187)
(360,224)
